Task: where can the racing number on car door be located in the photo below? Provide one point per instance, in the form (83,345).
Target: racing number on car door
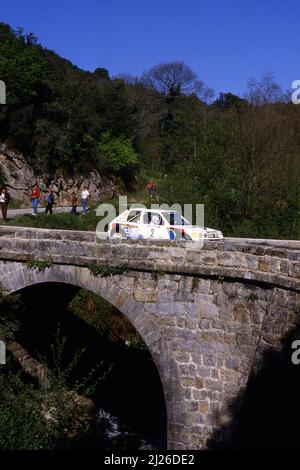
(152,225)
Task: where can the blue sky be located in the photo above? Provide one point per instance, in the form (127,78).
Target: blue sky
(225,42)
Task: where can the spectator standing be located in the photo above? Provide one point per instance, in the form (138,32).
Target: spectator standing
(7,197)
(154,191)
(3,204)
(49,201)
(151,188)
(85,196)
(74,203)
(35,198)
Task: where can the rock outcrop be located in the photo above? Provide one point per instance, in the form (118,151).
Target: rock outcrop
(20,178)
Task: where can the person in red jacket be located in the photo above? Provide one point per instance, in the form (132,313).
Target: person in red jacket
(35,198)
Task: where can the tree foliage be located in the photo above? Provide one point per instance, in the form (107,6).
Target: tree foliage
(174,79)
(116,153)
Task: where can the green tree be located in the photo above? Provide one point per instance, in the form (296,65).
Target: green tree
(174,79)
(116,154)
(22,66)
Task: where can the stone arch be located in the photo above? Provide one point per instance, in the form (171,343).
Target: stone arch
(17,276)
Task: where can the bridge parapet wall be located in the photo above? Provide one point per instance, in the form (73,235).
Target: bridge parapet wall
(277,264)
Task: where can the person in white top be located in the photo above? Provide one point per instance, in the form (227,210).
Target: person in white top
(85,196)
(3,204)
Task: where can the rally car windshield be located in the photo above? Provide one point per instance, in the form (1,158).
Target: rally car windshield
(174,218)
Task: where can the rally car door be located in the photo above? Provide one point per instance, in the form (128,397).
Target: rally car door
(153,226)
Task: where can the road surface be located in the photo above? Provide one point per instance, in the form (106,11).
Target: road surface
(56,210)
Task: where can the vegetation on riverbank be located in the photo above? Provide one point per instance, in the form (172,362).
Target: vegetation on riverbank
(59,415)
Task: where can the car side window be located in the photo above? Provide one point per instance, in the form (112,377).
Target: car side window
(134,216)
(152,218)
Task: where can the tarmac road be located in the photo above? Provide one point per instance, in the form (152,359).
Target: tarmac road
(56,210)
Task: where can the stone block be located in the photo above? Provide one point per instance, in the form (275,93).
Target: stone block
(263,266)
(187,370)
(188,381)
(165,296)
(193,310)
(208,310)
(177,309)
(241,314)
(204,407)
(192,406)
(191,324)
(195,418)
(151,307)
(205,324)
(215,374)
(203,371)
(143,295)
(199,394)
(209,359)
(182,357)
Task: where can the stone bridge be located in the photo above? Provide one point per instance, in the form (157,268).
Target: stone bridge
(206,314)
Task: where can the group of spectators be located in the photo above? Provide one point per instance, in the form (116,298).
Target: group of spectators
(36,199)
(50,200)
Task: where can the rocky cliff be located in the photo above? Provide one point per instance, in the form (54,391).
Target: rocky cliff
(19,177)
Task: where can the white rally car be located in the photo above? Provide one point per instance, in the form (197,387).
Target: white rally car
(140,223)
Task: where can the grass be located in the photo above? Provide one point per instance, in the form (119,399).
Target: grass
(64,221)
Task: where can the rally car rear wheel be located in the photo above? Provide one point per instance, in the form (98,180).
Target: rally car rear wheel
(118,234)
